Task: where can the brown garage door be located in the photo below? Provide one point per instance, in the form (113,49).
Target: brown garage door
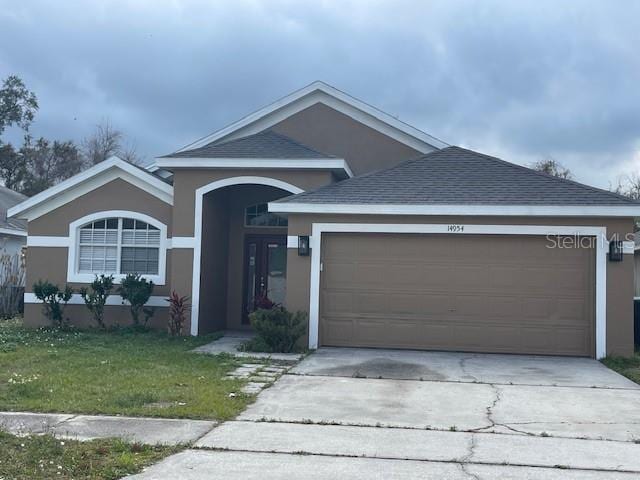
(480,293)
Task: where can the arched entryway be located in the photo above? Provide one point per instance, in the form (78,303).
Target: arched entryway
(239,250)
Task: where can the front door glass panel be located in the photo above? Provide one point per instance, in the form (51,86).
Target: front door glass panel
(265,271)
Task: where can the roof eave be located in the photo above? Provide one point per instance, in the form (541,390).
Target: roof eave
(459,210)
(87,181)
(337,165)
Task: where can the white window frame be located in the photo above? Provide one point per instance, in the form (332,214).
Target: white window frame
(74,238)
(246,225)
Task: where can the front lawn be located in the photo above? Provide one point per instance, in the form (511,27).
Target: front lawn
(41,457)
(627,366)
(117,373)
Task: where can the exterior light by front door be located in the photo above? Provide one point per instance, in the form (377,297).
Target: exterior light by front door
(615,251)
(303,245)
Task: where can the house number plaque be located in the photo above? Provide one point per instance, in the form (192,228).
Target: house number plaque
(455,228)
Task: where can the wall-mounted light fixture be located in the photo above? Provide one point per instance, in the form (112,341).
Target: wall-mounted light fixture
(615,251)
(303,245)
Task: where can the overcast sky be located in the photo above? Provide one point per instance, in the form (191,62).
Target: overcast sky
(521,80)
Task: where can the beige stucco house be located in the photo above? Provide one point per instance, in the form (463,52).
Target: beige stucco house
(412,243)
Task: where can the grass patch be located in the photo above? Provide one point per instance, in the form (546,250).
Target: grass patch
(118,373)
(627,366)
(46,457)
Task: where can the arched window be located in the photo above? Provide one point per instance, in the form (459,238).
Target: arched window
(118,245)
(259,216)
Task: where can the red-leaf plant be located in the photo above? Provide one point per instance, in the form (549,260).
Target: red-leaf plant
(178,309)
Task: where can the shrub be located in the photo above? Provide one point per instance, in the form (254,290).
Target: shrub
(277,329)
(54,302)
(96,299)
(178,309)
(136,291)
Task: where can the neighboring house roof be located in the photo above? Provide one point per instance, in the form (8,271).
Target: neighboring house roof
(11,226)
(267,144)
(463,179)
(88,180)
(320,92)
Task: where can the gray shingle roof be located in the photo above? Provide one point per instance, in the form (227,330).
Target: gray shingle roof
(458,176)
(9,198)
(267,144)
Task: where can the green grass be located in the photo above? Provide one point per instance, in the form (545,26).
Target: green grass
(46,457)
(627,366)
(118,373)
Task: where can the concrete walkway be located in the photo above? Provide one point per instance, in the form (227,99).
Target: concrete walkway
(231,341)
(376,414)
(87,427)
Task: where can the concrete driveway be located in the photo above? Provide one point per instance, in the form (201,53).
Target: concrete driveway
(360,413)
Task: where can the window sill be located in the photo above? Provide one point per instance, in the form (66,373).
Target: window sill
(117,278)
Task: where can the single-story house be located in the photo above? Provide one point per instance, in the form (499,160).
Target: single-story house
(13,232)
(385,235)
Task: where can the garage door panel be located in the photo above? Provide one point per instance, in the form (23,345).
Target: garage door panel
(474,293)
(400,303)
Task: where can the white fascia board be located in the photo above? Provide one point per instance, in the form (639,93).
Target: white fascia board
(12,231)
(87,181)
(320,92)
(275,163)
(463,210)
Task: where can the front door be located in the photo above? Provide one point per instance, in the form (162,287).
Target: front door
(265,271)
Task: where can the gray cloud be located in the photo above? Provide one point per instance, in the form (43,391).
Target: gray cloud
(523,80)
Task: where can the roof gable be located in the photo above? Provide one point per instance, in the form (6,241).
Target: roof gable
(90,179)
(320,92)
(456,180)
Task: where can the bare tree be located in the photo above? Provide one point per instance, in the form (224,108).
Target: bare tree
(107,141)
(103,143)
(551,166)
(629,186)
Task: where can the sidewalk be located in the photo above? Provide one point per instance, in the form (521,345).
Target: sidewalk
(87,427)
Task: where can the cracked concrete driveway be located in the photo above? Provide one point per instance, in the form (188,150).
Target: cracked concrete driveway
(360,413)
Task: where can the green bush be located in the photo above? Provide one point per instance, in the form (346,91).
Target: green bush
(136,291)
(96,299)
(54,302)
(277,330)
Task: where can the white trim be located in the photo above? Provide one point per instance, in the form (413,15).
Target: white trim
(89,180)
(72,255)
(271,163)
(598,232)
(466,210)
(320,92)
(12,231)
(628,247)
(47,241)
(183,242)
(197,229)
(292,241)
(76,299)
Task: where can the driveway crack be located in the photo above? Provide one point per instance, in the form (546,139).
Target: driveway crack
(463,367)
(466,459)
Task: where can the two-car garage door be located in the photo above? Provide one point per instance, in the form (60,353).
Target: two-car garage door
(481,293)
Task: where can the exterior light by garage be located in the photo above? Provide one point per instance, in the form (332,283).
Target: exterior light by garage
(615,251)
(303,245)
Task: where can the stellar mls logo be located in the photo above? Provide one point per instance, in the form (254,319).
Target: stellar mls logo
(582,241)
